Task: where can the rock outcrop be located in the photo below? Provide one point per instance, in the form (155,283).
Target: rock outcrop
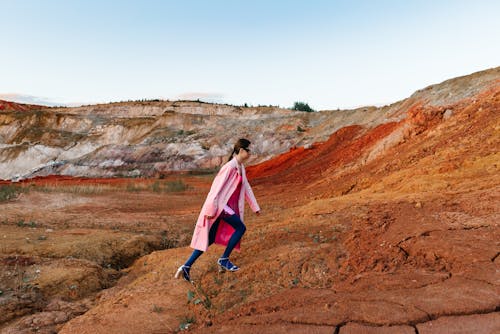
(388,224)
(149,138)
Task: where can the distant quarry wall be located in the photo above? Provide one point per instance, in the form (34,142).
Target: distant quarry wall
(149,138)
(132,139)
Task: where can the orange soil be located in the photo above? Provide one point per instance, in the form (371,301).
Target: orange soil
(404,241)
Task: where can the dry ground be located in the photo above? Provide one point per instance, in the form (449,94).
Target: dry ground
(385,230)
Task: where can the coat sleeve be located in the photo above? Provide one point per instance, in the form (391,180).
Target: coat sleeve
(219,181)
(249,196)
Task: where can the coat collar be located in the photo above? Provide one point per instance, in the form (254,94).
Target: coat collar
(234,164)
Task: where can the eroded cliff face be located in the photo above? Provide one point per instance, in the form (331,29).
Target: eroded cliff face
(149,138)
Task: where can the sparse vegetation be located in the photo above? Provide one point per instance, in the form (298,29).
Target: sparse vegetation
(186,322)
(204,171)
(157,309)
(302,106)
(8,192)
(140,100)
(176,186)
(133,188)
(88,189)
(167,242)
(185,133)
(22,223)
(96,189)
(156,187)
(169,186)
(217,280)
(199,296)
(17,266)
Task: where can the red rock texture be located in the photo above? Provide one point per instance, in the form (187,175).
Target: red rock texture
(476,323)
(401,239)
(8,105)
(390,229)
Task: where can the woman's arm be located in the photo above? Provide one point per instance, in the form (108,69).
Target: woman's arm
(250,197)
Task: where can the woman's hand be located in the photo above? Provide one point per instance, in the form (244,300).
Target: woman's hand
(258,213)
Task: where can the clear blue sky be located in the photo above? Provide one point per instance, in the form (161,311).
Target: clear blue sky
(331,54)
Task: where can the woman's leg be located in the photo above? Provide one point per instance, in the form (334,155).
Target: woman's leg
(194,256)
(239,230)
(211,238)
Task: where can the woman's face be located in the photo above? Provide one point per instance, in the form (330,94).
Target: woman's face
(243,154)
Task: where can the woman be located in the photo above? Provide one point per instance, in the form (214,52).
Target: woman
(221,217)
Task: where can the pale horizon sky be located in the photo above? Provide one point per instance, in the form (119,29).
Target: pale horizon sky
(330,54)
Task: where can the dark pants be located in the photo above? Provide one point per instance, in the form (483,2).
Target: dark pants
(239,230)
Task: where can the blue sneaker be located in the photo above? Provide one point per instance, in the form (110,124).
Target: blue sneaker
(184,270)
(226,265)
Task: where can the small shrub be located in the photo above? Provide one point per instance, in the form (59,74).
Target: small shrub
(176,186)
(91,189)
(132,188)
(166,242)
(200,296)
(217,280)
(302,106)
(186,322)
(156,187)
(22,223)
(8,192)
(157,309)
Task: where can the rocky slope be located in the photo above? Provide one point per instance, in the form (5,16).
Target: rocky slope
(385,229)
(149,138)
(389,224)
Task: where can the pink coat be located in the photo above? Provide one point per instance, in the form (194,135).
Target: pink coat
(223,186)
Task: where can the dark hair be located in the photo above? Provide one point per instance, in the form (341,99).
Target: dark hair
(242,143)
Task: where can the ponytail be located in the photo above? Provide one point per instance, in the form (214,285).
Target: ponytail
(231,155)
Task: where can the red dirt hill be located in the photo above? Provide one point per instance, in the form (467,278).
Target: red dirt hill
(383,228)
(391,229)
(13,106)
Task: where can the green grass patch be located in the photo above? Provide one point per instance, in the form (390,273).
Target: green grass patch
(88,189)
(8,192)
(176,186)
(169,186)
